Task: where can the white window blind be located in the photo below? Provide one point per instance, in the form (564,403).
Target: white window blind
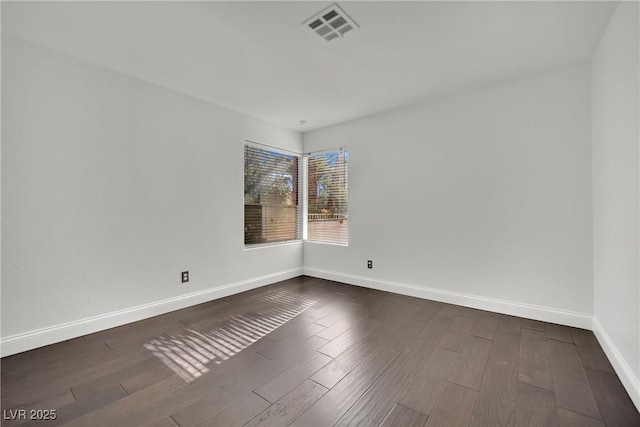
(271,208)
(327,196)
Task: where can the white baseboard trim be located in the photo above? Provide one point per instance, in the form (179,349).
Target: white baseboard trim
(622,367)
(33,339)
(546,314)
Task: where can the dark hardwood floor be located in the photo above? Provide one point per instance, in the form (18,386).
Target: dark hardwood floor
(310,352)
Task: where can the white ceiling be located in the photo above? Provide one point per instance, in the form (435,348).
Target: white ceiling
(257,58)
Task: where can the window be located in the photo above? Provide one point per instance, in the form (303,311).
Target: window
(327,194)
(270,195)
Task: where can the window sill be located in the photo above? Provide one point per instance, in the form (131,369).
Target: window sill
(344,245)
(271,245)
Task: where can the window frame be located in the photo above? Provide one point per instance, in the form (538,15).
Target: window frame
(305,185)
(298,205)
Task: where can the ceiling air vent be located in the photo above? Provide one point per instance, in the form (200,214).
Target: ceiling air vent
(331,23)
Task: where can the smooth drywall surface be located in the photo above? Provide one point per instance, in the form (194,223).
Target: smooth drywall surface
(482,196)
(111,186)
(616,193)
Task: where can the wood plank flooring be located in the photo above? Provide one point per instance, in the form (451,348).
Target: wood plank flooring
(310,352)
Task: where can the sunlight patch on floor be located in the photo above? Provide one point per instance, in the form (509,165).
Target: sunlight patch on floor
(189,353)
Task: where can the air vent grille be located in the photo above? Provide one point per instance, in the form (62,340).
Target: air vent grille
(315,24)
(338,22)
(331,23)
(344,29)
(323,30)
(329,16)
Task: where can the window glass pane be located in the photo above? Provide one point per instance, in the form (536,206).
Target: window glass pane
(270,196)
(327,190)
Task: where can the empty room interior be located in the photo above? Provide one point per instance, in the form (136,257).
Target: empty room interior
(315,213)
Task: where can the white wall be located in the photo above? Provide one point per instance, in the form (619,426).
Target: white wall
(111,186)
(482,199)
(616,192)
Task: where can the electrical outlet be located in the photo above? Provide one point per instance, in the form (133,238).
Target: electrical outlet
(369,264)
(185,276)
